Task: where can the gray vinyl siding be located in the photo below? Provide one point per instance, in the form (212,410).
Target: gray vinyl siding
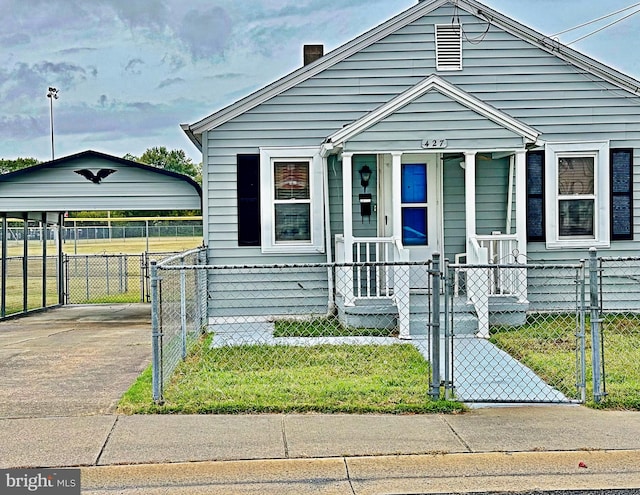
(239,292)
(335,198)
(434,116)
(453,209)
(491,195)
(562,102)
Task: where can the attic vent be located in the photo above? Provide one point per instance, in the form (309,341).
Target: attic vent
(449,46)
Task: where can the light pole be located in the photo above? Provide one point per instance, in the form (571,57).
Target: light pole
(52,95)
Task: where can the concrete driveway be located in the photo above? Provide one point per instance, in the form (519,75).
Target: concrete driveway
(73,360)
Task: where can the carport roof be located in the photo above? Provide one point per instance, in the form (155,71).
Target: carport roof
(91,180)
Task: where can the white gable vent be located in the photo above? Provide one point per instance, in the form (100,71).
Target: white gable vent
(449,46)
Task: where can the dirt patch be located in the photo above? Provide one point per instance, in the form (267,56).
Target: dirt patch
(72,361)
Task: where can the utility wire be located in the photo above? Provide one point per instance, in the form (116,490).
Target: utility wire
(595,20)
(603,28)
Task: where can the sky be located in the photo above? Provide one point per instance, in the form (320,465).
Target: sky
(129,72)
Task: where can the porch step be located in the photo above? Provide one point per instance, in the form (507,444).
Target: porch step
(507,310)
(368,313)
(463,324)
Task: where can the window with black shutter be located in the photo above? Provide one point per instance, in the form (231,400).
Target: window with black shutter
(248,183)
(621,163)
(535,196)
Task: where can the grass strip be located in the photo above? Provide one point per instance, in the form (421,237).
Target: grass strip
(287,379)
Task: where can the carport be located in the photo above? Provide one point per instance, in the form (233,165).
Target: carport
(39,196)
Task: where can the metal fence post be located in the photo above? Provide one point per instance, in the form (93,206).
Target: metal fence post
(595,326)
(86,275)
(202,290)
(183,309)
(156,334)
(582,364)
(448,293)
(435,328)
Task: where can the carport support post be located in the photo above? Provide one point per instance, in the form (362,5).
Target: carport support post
(61,277)
(156,334)
(596,362)
(435,328)
(43,239)
(25,262)
(3,282)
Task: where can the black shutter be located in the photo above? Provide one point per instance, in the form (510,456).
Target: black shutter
(621,163)
(535,196)
(248,180)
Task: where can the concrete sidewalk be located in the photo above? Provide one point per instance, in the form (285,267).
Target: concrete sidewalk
(489,448)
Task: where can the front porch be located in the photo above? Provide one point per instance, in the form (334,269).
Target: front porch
(391,274)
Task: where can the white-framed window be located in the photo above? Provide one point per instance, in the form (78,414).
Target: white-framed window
(291,200)
(577,195)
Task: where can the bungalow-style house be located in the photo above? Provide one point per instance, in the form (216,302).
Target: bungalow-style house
(449,128)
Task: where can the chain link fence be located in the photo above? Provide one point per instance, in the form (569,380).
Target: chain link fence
(619,294)
(300,337)
(178,310)
(392,336)
(517,333)
(104,278)
(37,275)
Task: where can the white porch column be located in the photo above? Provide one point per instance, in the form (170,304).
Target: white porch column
(521,221)
(396,184)
(470,193)
(347,205)
(521,202)
(401,273)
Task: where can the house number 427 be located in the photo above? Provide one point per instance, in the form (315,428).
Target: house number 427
(434,143)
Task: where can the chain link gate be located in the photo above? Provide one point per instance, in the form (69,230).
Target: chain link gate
(515,333)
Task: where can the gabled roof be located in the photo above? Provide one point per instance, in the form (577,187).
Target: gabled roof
(431,83)
(423,7)
(96,181)
(96,154)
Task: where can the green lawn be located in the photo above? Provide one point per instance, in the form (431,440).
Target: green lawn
(547,345)
(285,379)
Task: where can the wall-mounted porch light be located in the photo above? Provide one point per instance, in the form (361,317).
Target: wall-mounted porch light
(365,176)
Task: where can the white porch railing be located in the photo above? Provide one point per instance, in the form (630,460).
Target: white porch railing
(375,282)
(371,282)
(495,249)
(478,286)
(502,249)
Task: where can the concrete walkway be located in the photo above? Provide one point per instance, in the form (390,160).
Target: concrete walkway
(505,448)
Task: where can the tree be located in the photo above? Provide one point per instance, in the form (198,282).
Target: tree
(7,166)
(172,160)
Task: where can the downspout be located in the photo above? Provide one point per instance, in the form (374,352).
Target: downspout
(327,234)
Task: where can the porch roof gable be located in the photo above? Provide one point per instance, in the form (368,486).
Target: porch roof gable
(433,82)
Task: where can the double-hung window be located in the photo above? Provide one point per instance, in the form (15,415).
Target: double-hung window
(577,195)
(291,199)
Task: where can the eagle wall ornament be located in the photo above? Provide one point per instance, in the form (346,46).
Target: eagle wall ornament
(95,178)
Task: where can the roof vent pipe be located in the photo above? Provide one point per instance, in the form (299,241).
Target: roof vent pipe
(311,53)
